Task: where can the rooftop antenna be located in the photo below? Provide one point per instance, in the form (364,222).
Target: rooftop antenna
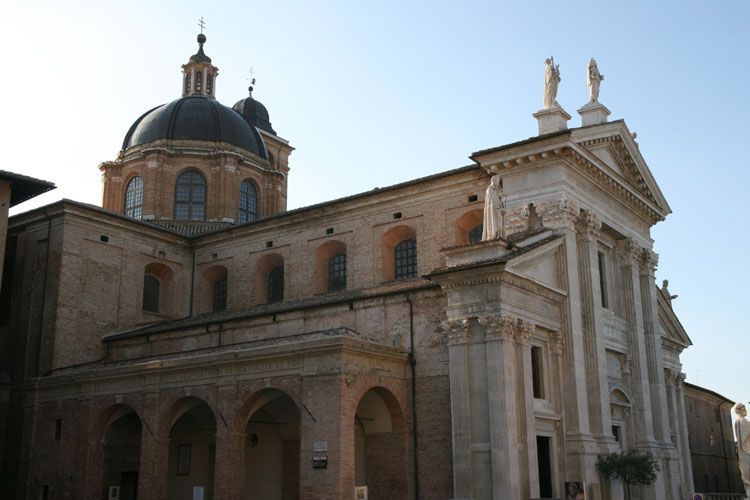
(202,24)
(251,80)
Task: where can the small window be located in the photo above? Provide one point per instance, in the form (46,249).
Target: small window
(209,83)
(248,201)
(58,429)
(199,82)
(475,235)
(220,295)
(406,259)
(617,433)
(603,281)
(151,291)
(537,372)
(337,272)
(134,198)
(187,83)
(190,196)
(276,284)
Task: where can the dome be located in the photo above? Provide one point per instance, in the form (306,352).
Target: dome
(255,113)
(195,118)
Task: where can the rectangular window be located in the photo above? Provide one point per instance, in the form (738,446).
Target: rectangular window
(617,433)
(537,372)
(58,429)
(603,281)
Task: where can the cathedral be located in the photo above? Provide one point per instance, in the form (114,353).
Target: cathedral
(193,338)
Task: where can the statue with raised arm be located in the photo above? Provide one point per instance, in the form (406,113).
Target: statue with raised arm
(551,79)
(594,80)
(742,435)
(494,211)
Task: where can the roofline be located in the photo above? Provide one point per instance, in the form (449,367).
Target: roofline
(713,393)
(33,186)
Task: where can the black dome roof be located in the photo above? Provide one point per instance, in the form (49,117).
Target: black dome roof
(255,113)
(195,118)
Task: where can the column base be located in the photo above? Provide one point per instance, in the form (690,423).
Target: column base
(552,119)
(593,113)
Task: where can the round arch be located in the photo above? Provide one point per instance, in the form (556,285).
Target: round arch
(323,255)
(466,223)
(388,242)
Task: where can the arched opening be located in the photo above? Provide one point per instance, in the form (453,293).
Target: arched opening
(619,405)
(134,198)
(399,253)
(380,458)
(330,267)
(121,452)
(190,196)
(248,201)
(269,279)
(214,289)
(272,448)
(157,288)
(192,451)
(468,227)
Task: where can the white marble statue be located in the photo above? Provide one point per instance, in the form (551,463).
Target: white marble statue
(742,435)
(594,80)
(551,79)
(494,211)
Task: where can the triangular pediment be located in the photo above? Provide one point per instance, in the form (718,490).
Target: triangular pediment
(543,265)
(671,328)
(613,150)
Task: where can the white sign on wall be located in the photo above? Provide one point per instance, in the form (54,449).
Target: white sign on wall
(198,492)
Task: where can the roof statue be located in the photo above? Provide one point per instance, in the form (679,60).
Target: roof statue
(594,80)
(742,435)
(494,211)
(551,80)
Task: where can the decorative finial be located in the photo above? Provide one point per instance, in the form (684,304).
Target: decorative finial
(252,80)
(202,24)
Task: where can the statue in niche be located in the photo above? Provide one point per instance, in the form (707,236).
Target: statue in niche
(551,79)
(742,435)
(594,80)
(494,211)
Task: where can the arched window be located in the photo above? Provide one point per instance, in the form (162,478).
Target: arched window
(276,284)
(187,83)
(337,272)
(151,291)
(190,196)
(209,83)
(406,259)
(134,198)
(220,295)
(248,201)
(475,235)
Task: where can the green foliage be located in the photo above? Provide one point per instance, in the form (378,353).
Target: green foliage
(632,467)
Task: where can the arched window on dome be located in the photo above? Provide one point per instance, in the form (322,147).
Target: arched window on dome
(248,201)
(134,198)
(209,84)
(190,196)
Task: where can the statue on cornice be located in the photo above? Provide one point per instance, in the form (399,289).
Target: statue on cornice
(494,211)
(742,435)
(594,80)
(551,79)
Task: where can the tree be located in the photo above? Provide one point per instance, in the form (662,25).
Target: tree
(632,467)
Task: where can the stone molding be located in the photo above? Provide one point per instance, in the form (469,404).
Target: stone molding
(556,343)
(628,252)
(524,331)
(558,212)
(457,330)
(648,261)
(498,327)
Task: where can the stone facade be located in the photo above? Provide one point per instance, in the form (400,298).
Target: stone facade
(177,358)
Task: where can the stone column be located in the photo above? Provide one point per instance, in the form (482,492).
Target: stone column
(154,460)
(527,421)
(458,336)
(682,432)
(556,345)
(228,477)
(628,253)
(587,232)
(499,334)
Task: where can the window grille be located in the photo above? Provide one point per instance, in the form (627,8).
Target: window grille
(190,196)
(406,259)
(475,235)
(134,198)
(220,295)
(276,284)
(151,289)
(248,202)
(337,272)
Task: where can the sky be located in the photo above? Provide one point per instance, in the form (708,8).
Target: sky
(374,93)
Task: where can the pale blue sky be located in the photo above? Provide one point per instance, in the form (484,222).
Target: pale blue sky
(374,93)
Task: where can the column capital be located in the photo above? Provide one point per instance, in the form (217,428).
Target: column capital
(498,327)
(556,343)
(457,330)
(524,331)
(628,251)
(648,260)
(588,225)
(560,212)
